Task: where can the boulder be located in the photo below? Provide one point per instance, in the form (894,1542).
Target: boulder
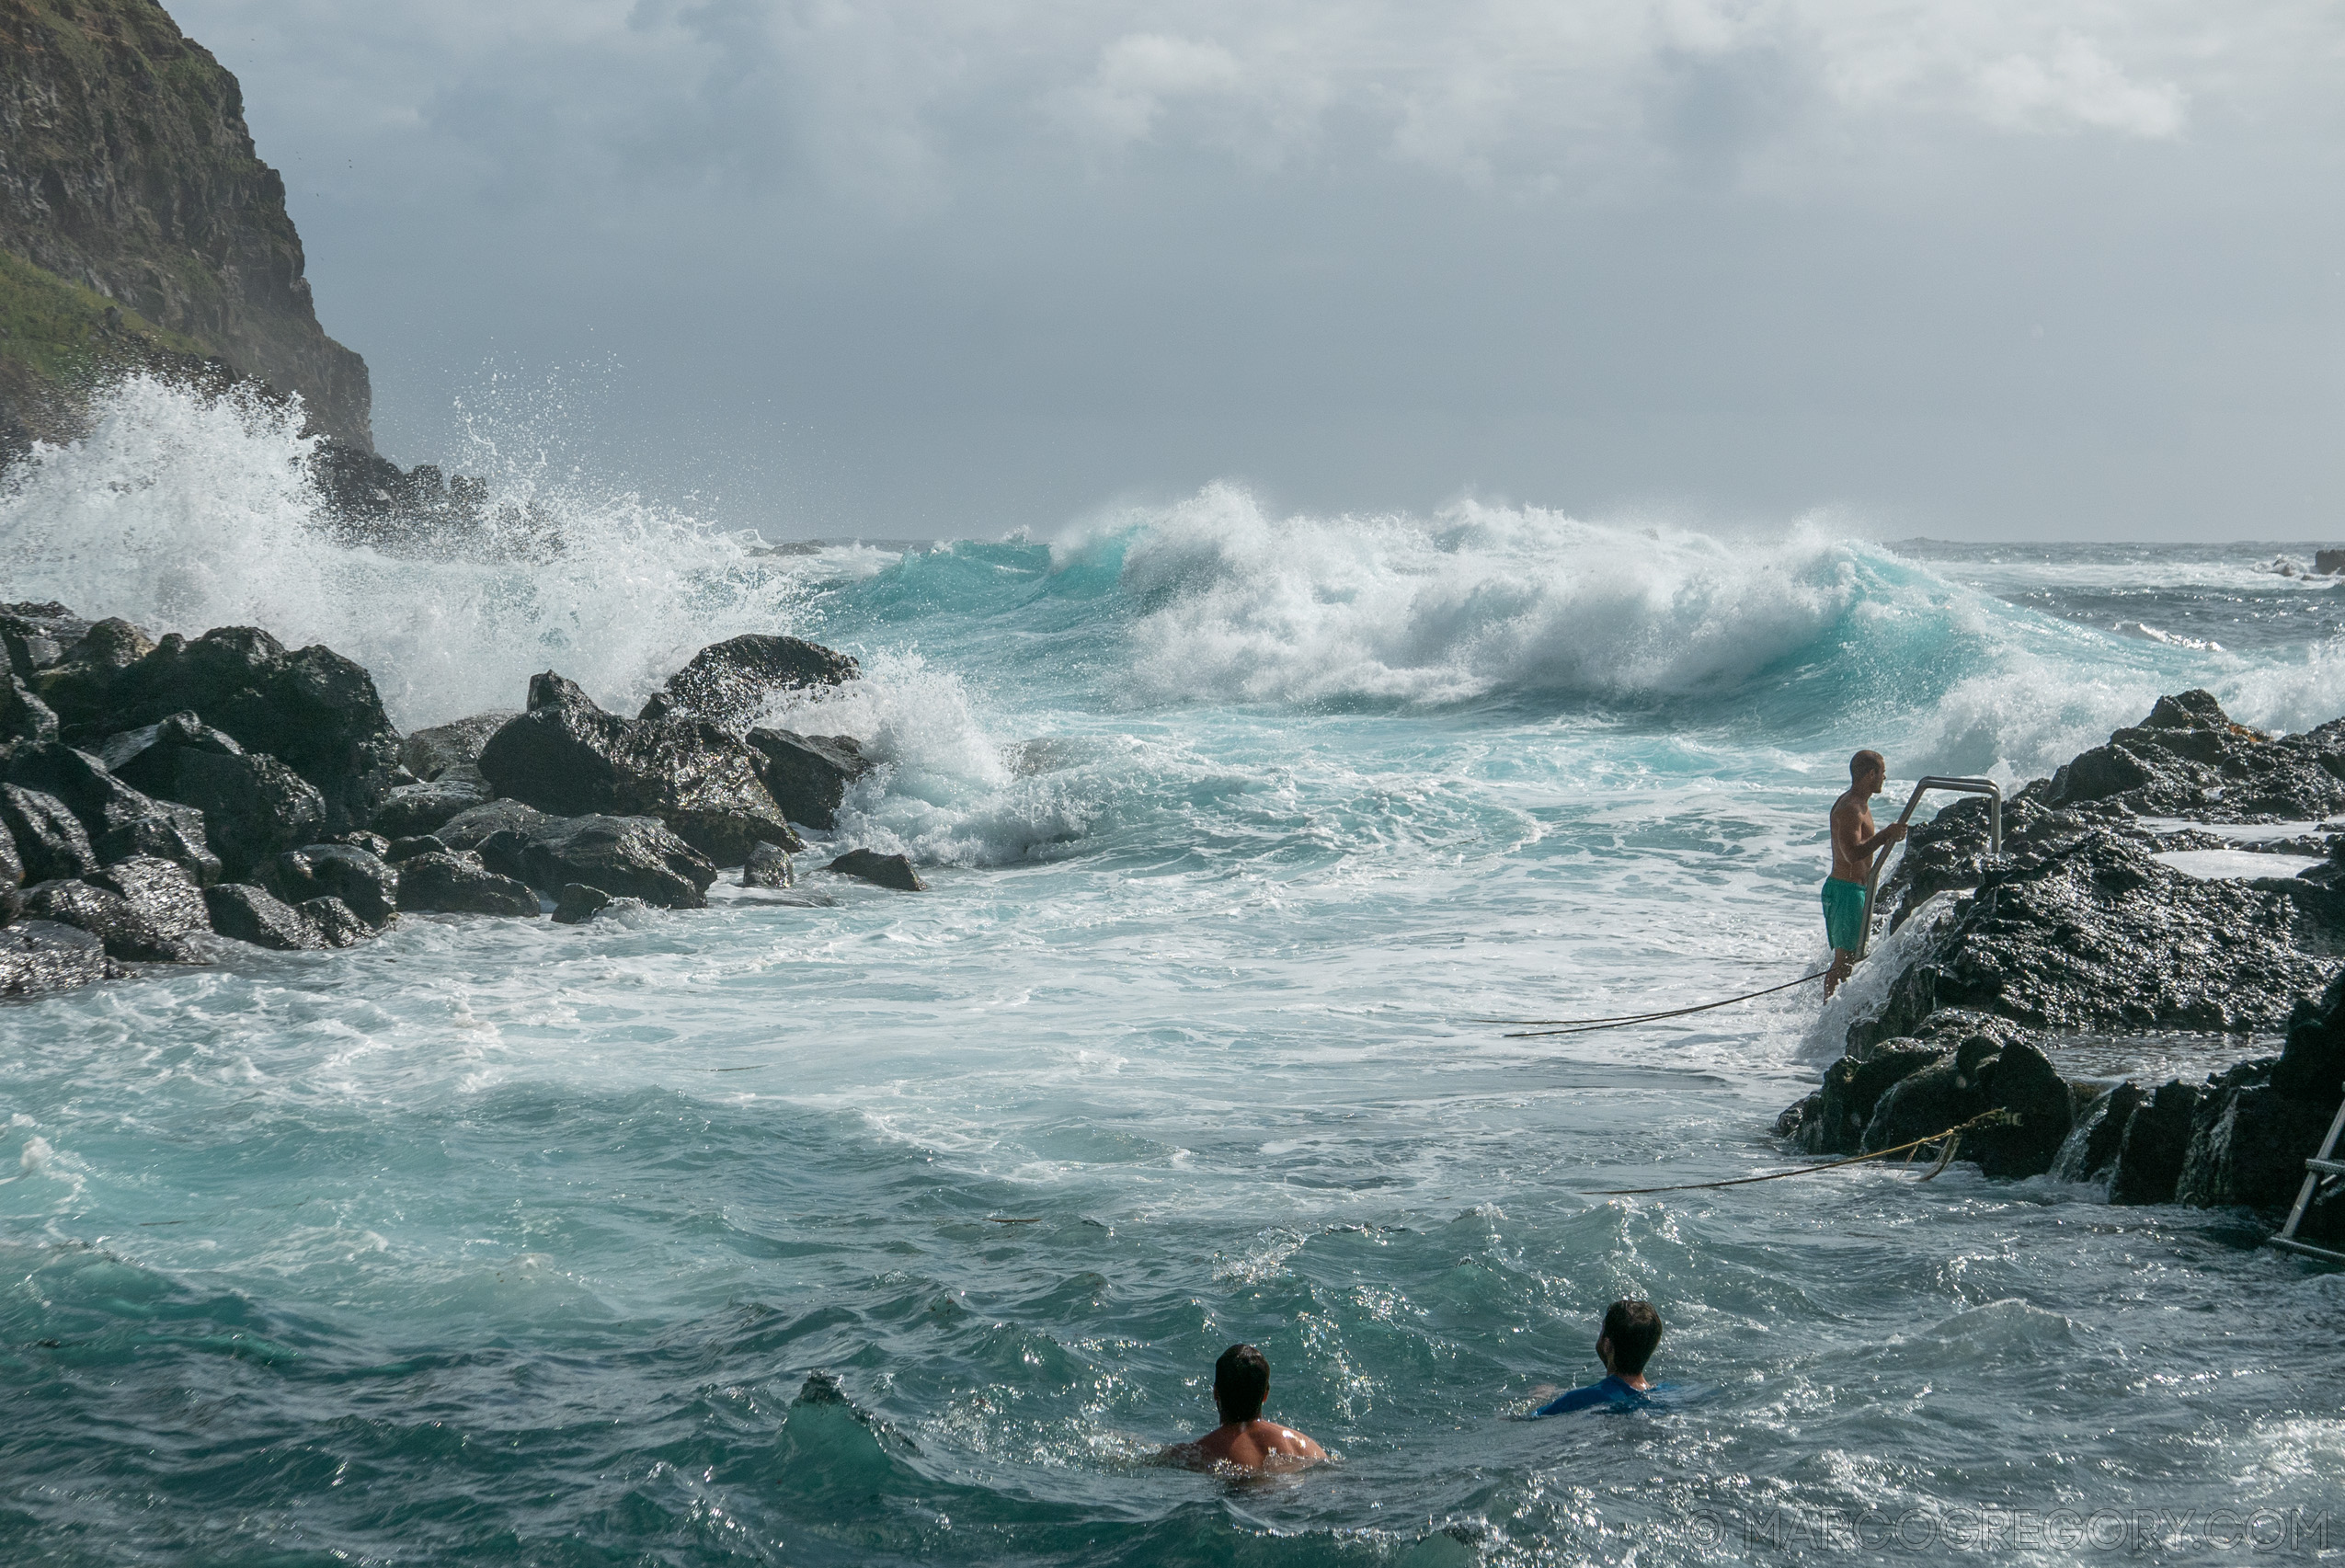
(85,784)
(50,841)
(175,833)
(568,757)
(2093,1142)
(767,866)
(885,870)
(633,857)
(41,955)
(2312,1064)
(1852,1089)
(171,899)
(428,753)
(2328,561)
(2150,1155)
(254,806)
(579,904)
(313,710)
(2248,1142)
(2021,1080)
(121,925)
(147,757)
(1946,1094)
(729,682)
(35,637)
(468,830)
(78,688)
(808,775)
(408,849)
(457,883)
(417,809)
(11,864)
(366,887)
(2094,934)
(23,716)
(253,914)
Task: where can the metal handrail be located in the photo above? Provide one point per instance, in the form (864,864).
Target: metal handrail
(1987,787)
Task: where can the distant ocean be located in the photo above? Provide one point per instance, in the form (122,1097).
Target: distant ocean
(501,1243)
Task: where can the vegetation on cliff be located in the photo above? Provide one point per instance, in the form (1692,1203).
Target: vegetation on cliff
(128,179)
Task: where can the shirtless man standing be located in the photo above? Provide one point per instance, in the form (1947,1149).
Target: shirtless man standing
(1855,846)
(1240,1384)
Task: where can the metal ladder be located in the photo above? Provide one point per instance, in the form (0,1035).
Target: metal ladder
(2321,1165)
(1987,787)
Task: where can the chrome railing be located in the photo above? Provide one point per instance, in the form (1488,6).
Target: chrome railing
(1987,787)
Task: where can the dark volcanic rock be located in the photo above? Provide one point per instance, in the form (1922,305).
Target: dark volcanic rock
(2249,1141)
(568,757)
(367,887)
(2021,1080)
(728,682)
(2098,934)
(468,830)
(335,924)
(425,807)
(1852,1091)
(123,926)
(49,840)
(408,849)
(171,900)
(457,883)
(808,774)
(428,753)
(34,636)
(43,956)
(147,757)
(254,806)
(122,821)
(2158,1137)
(2188,757)
(2312,1064)
(767,866)
(633,857)
(254,915)
(2093,1143)
(11,864)
(175,833)
(23,716)
(885,870)
(78,688)
(1946,1094)
(311,708)
(579,904)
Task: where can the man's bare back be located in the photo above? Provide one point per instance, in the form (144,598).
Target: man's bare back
(1250,1445)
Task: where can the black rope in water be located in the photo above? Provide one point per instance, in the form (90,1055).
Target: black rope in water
(1590,1026)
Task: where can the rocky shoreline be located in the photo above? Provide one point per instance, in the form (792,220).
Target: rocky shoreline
(153,792)
(2089,926)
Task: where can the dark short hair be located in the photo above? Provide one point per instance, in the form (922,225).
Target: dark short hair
(1634,1329)
(1240,1382)
(1864,763)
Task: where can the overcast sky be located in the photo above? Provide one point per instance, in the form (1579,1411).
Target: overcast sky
(1970,268)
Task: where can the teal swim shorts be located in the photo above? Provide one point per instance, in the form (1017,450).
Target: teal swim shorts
(1843,913)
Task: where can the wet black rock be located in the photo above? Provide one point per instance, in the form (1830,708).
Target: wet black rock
(808,775)
(2096,934)
(124,928)
(311,708)
(767,866)
(38,955)
(367,887)
(2188,757)
(2091,1148)
(428,753)
(49,840)
(425,807)
(122,821)
(78,688)
(728,683)
(633,857)
(175,833)
(568,757)
(2021,1080)
(2157,1137)
(1946,1094)
(468,830)
(171,899)
(885,870)
(11,864)
(23,716)
(1852,1091)
(35,637)
(457,883)
(254,806)
(579,903)
(2250,1140)
(408,849)
(256,916)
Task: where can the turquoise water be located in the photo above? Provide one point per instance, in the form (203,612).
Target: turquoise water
(508,1243)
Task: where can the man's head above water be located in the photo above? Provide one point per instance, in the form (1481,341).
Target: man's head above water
(1240,1384)
(1868,767)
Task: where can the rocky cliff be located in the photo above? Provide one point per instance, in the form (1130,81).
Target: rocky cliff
(144,228)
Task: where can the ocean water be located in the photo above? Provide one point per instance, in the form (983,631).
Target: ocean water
(907,1228)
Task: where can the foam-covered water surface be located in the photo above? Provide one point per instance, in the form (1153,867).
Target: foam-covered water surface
(875,1228)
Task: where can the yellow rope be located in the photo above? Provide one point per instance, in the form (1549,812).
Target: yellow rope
(1998,1117)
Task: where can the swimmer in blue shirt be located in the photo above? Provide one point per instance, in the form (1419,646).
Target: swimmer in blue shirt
(1631,1332)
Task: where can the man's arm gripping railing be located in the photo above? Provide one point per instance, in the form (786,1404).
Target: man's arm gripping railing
(1987,787)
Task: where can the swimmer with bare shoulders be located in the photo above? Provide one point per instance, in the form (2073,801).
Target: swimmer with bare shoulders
(1244,1440)
(1855,848)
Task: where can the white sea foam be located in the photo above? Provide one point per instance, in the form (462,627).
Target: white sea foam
(1242,605)
(183,512)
